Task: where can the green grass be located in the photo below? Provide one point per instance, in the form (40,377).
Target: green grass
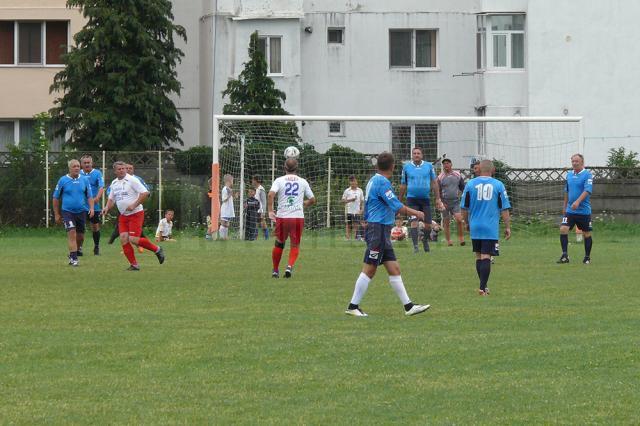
(209,337)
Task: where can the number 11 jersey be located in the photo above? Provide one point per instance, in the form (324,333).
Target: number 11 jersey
(291,191)
(484,197)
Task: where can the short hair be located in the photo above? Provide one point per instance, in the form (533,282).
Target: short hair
(72,161)
(87,156)
(419,148)
(486,166)
(352,178)
(169,210)
(385,161)
(227,177)
(446,160)
(291,165)
(257,178)
(578,155)
(119,163)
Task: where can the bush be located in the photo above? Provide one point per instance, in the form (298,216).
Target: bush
(194,161)
(188,201)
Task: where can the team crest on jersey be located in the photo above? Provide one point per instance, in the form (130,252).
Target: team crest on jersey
(389,194)
(290,200)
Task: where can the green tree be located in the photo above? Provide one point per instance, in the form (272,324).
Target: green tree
(619,157)
(118,78)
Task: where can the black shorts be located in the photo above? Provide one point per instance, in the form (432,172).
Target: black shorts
(74,221)
(379,248)
(353,218)
(423,205)
(490,247)
(96,217)
(582,221)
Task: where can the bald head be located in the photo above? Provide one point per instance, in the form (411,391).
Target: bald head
(486,168)
(291,165)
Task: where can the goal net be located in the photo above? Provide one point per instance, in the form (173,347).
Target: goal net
(529,153)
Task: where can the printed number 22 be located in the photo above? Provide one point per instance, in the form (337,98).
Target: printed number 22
(291,189)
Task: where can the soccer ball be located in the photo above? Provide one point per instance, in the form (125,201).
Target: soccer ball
(397,233)
(291,152)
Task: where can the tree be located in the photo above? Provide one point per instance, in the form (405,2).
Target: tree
(619,157)
(119,76)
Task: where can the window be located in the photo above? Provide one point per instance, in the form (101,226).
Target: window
(271,48)
(501,39)
(335,35)
(412,48)
(404,137)
(7,135)
(33,43)
(336,128)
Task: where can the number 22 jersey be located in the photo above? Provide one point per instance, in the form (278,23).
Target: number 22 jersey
(291,191)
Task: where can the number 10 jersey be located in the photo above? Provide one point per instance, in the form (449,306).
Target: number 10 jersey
(291,191)
(484,197)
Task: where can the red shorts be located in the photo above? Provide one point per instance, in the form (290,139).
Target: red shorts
(131,224)
(290,227)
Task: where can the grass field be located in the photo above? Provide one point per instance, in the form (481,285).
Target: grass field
(209,337)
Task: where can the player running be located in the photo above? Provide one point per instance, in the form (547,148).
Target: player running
(128,194)
(484,201)
(576,210)
(291,190)
(381,207)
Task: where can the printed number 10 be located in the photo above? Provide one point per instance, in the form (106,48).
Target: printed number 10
(485,191)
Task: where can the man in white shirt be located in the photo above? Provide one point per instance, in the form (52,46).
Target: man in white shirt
(128,194)
(291,190)
(353,197)
(261,195)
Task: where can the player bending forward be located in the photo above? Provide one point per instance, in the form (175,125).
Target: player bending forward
(128,194)
(381,207)
(291,190)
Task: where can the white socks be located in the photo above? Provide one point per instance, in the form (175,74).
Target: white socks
(362,284)
(398,287)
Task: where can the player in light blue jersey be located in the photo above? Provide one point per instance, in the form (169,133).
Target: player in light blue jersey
(73,194)
(97,188)
(576,210)
(418,181)
(484,201)
(381,207)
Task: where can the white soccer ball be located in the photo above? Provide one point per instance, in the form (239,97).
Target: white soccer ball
(291,152)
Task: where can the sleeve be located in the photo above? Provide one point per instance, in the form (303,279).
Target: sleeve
(390,198)
(566,185)
(159,229)
(344,194)
(87,189)
(464,202)
(138,186)
(503,197)
(110,193)
(100,180)
(403,178)
(307,190)
(57,193)
(588,183)
(433,173)
(361,195)
(275,186)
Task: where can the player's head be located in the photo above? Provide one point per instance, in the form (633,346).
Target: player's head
(130,169)
(577,162)
(475,166)
(86,162)
(416,154)
(120,169)
(486,168)
(290,165)
(74,167)
(256,181)
(168,214)
(398,221)
(353,182)
(385,162)
(447,165)
(228,180)
(251,192)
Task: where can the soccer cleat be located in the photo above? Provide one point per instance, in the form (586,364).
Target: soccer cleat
(586,260)
(563,259)
(481,292)
(160,255)
(288,272)
(486,291)
(427,249)
(133,268)
(275,274)
(96,251)
(417,309)
(357,312)
(73,262)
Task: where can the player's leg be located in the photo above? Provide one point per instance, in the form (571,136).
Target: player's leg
(459,224)
(565,227)
(278,247)
(426,209)
(295,236)
(372,258)
(395,280)
(446,224)
(72,241)
(347,234)
(80,220)
(95,232)
(413,223)
(127,248)
(136,237)
(585,227)
(355,225)
(116,231)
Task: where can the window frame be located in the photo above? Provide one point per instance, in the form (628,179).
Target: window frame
(43,46)
(267,58)
(335,43)
(339,134)
(487,35)
(413,66)
(413,136)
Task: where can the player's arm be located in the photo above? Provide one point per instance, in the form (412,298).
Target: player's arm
(159,231)
(506,218)
(576,203)
(90,200)
(141,199)
(464,206)
(564,204)
(311,199)
(406,210)
(344,198)
(402,191)
(435,188)
(98,196)
(271,199)
(56,210)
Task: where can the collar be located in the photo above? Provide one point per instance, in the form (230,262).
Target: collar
(573,172)
(418,165)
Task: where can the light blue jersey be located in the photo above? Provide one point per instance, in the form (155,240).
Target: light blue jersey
(74,193)
(418,179)
(380,203)
(142,181)
(577,183)
(484,197)
(95,182)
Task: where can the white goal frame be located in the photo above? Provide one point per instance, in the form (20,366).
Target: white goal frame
(215,166)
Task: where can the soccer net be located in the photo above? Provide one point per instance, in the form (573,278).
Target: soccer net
(332,149)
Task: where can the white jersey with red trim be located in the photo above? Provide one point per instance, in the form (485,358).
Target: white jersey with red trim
(291,191)
(125,192)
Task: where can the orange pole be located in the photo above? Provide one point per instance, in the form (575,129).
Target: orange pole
(214,194)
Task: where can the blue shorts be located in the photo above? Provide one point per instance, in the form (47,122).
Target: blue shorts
(423,205)
(379,248)
(490,247)
(96,217)
(582,221)
(74,221)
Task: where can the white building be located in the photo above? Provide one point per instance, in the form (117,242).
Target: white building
(427,58)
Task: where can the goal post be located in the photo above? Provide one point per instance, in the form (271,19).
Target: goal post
(336,147)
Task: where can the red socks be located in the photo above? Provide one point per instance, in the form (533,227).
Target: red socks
(128,252)
(276,255)
(293,255)
(144,242)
